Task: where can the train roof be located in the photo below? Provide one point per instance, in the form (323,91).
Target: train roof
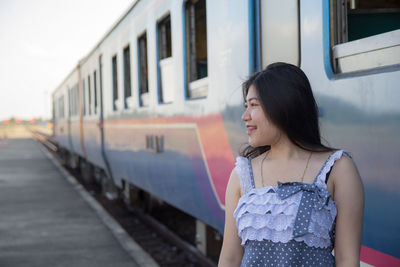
(85,58)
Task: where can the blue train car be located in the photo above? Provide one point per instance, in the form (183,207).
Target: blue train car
(159,98)
(67,125)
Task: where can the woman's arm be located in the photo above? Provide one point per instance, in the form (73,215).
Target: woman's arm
(349,197)
(232,252)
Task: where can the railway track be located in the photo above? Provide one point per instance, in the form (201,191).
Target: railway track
(165,246)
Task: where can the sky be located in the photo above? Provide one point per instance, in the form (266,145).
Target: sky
(41,41)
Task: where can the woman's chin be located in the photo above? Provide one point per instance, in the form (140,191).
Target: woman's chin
(253,143)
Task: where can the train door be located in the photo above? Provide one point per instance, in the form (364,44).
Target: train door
(276,32)
(101,119)
(53,116)
(69,114)
(81,104)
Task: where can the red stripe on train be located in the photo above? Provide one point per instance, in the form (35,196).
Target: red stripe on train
(218,152)
(377,259)
(215,144)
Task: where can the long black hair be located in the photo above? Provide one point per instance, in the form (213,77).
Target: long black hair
(287,99)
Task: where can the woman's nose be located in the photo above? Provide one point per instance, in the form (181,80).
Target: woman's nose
(245,115)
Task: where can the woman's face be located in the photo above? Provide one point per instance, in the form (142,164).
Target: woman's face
(260,129)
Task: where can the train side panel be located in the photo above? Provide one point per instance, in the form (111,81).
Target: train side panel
(64,111)
(189,162)
(74,93)
(91,110)
(359,112)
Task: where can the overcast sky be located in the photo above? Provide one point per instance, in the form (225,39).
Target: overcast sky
(41,41)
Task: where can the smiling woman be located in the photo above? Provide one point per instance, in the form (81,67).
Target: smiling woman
(260,129)
(281,208)
(283,94)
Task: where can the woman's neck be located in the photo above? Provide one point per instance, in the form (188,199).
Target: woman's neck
(285,150)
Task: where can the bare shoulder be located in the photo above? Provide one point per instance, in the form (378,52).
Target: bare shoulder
(345,166)
(234,177)
(349,199)
(234,183)
(345,177)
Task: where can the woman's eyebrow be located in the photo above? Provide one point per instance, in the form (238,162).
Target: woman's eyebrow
(251,98)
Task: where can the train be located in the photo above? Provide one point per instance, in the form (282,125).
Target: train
(156,105)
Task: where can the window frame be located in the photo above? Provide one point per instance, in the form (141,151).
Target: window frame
(333,50)
(146,59)
(84,97)
(161,20)
(127,74)
(89,95)
(198,83)
(95,90)
(114,81)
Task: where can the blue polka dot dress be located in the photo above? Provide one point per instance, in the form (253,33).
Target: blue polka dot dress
(291,224)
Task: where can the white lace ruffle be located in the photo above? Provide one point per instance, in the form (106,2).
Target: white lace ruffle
(278,222)
(321,177)
(268,208)
(284,236)
(267,234)
(262,202)
(262,215)
(268,217)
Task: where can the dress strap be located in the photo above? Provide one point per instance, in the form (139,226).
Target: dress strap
(245,173)
(251,174)
(326,168)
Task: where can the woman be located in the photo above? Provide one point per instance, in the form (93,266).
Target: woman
(290,199)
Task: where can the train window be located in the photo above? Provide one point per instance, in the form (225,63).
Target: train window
(74,96)
(364,34)
(55,109)
(76,99)
(89,96)
(196,48)
(127,75)
(69,103)
(166,79)
(143,69)
(84,97)
(72,100)
(95,91)
(115,82)
(58,110)
(279,32)
(164,38)
(61,107)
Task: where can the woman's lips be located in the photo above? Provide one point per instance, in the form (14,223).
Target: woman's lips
(250,129)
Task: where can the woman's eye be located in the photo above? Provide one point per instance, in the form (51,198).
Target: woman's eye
(251,105)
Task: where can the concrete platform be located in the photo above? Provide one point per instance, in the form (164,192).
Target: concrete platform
(45,220)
